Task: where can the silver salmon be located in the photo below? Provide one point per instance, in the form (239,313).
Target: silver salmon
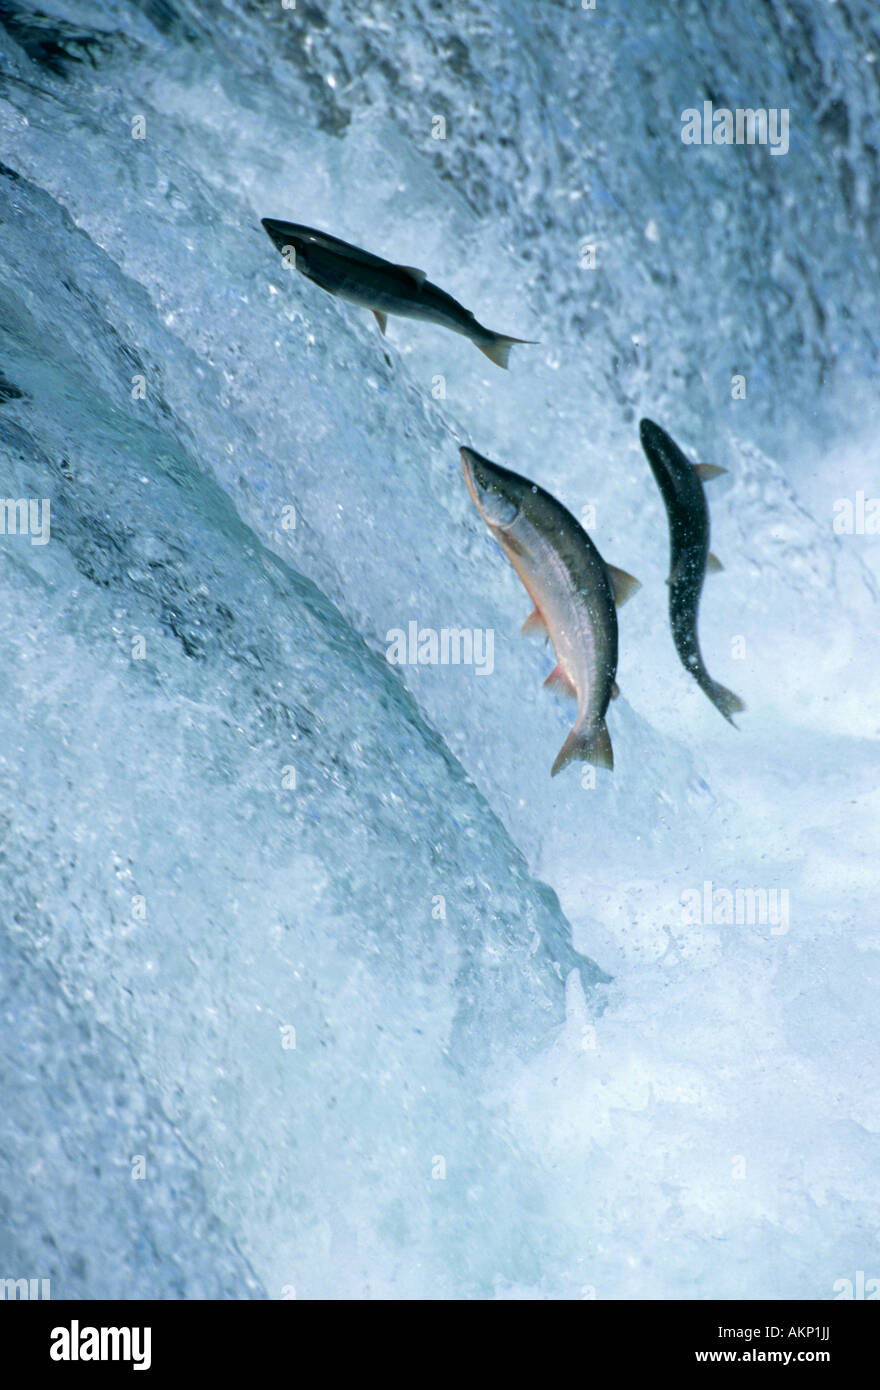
(574,591)
(681,486)
(381,286)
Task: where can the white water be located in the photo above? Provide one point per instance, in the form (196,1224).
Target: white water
(696,1114)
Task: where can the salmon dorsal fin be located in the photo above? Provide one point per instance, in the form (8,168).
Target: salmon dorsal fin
(707,471)
(419,276)
(587,746)
(623,585)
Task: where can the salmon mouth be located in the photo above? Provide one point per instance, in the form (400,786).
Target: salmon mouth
(467,468)
(281,234)
(655,443)
(478,491)
(651,435)
(496,509)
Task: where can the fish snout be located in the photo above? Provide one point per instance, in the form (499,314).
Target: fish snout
(282,235)
(468,467)
(658,450)
(489,487)
(651,435)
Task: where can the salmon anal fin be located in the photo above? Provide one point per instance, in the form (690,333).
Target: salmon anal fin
(713,564)
(707,471)
(558,680)
(623,585)
(534,625)
(381,319)
(587,746)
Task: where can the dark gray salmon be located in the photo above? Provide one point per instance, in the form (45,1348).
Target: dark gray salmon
(380,285)
(572,588)
(681,487)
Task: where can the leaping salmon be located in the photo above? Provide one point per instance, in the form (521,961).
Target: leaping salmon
(681,487)
(574,592)
(381,286)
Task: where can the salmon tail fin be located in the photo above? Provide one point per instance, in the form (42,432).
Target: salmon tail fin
(587,746)
(724,700)
(498,351)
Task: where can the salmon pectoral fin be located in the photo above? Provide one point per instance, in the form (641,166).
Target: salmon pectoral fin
(558,680)
(381,319)
(707,471)
(498,351)
(534,625)
(623,585)
(713,564)
(586,746)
